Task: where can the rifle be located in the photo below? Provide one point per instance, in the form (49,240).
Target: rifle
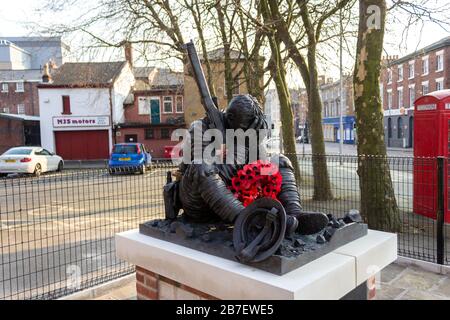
(211,109)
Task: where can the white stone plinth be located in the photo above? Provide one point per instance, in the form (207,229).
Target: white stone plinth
(329,277)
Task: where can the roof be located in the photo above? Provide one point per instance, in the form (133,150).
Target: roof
(86,74)
(162,77)
(26,147)
(14,75)
(7,43)
(36,41)
(159,78)
(435,46)
(21,117)
(143,72)
(219,53)
(442,94)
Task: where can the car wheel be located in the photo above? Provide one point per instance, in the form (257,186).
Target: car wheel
(60,166)
(142,169)
(2,175)
(37,170)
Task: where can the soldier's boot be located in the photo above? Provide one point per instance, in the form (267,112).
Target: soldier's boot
(308,222)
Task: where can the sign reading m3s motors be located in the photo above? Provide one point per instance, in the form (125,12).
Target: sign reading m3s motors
(80,121)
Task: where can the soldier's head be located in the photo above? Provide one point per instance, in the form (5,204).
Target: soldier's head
(244,112)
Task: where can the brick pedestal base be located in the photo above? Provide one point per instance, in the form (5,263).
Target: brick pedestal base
(152,286)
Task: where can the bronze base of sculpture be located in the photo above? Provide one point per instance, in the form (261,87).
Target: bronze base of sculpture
(216,238)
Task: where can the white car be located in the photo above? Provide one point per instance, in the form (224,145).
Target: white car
(35,160)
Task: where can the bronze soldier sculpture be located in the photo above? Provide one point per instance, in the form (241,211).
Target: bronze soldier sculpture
(203,190)
(273,232)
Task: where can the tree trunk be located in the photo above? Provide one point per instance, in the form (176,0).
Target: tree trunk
(197,15)
(322,186)
(253,76)
(308,71)
(229,81)
(378,204)
(278,72)
(286,115)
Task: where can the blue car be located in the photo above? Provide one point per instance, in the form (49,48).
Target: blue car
(129,157)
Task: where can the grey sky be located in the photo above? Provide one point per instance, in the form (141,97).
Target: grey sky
(14,14)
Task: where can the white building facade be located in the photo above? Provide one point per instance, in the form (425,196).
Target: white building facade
(79,116)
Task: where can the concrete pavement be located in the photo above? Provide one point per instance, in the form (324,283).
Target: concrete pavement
(397,282)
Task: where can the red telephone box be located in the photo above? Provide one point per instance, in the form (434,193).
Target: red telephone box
(431,140)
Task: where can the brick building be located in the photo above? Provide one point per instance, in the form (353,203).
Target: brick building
(21,63)
(194,108)
(301,114)
(406,79)
(331,99)
(154,110)
(299,104)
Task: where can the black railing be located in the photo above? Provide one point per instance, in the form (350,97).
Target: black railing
(419,188)
(57,231)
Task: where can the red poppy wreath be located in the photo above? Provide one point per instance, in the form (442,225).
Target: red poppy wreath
(256,180)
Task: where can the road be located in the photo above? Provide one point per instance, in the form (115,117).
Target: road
(61,225)
(59,229)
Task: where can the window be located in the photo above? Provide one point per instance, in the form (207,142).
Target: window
(400,72)
(179,104)
(412,96)
(389,76)
(168,105)
(439,84)
(399,128)
(439,61)
(389,98)
(66,105)
(149,134)
(400,97)
(43,152)
(5,87)
(411,69)
(425,88)
(144,105)
(165,133)
(425,66)
(19,87)
(5,110)
(20,109)
(125,148)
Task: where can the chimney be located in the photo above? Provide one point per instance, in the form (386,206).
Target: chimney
(129,53)
(46,77)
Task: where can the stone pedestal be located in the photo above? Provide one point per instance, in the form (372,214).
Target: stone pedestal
(169,271)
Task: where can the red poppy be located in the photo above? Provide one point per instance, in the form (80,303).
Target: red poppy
(256,180)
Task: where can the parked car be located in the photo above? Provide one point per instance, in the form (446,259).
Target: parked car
(33,160)
(301,139)
(172,152)
(129,157)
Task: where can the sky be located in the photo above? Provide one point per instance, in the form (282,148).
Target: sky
(15,15)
